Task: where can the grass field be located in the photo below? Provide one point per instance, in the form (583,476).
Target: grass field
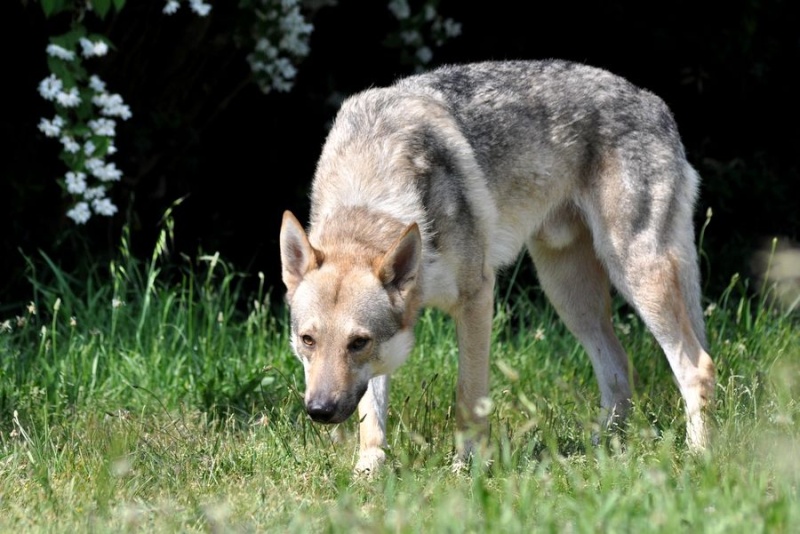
(141,398)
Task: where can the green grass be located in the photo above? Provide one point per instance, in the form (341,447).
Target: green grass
(142,398)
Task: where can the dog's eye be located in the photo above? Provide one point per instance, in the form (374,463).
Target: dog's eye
(358,344)
(308,341)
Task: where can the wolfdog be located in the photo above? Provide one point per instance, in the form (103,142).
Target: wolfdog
(425,188)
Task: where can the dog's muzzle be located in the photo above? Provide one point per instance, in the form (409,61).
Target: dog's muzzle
(330,410)
(322,411)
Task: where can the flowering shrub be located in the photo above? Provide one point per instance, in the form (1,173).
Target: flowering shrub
(281,36)
(86,113)
(84,122)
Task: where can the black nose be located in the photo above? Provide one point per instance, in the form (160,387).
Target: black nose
(321,411)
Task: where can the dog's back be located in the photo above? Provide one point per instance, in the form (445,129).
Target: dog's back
(500,148)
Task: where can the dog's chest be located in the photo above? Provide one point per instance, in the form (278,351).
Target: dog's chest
(439,282)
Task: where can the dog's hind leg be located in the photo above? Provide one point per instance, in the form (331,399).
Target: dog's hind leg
(657,287)
(646,240)
(372,412)
(578,287)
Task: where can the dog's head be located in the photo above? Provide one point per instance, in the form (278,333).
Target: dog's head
(352,315)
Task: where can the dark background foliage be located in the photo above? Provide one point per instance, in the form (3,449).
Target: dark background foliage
(202,129)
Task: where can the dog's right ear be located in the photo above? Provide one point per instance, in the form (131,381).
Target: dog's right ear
(399,266)
(297,255)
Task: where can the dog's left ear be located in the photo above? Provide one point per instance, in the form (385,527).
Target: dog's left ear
(297,255)
(399,266)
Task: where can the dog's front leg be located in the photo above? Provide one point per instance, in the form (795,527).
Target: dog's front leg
(474,329)
(372,412)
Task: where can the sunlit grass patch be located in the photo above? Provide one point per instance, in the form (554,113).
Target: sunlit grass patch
(142,399)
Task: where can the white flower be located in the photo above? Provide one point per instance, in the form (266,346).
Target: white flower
(107,100)
(295,44)
(483,407)
(411,37)
(122,111)
(60,52)
(103,206)
(171,7)
(287,70)
(69,99)
(94,193)
(295,31)
(103,126)
(112,105)
(80,213)
(400,9)
(111,150)
(93,163)
(430,12)
(89,148)
(295,35)
(76,182)
(424,54)
(51,128)
(625,328)
(104,173)
(452,28)
(279,84)
(256,65)
(539,334)
(200,7)
(97,85)
(70,145)
(111,173)
(263,45)
(93,48)
(50,87)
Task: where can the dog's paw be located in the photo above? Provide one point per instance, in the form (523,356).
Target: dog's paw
(698,435)
(464,461)
(369,462)
(460,464)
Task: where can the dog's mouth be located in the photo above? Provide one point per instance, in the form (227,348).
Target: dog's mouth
(326,419)
(329,415)
(330,411)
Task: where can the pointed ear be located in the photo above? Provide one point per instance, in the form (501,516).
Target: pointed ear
(297,255)
(399,266)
